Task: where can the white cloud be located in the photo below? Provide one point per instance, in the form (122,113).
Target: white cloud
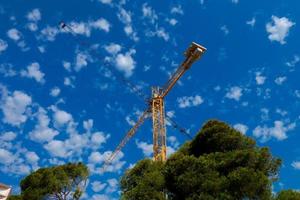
(173,142)
(3,45)
(69,81)
(279,28)
(8,136)
(81,61)
(296,165)
(280,80)
(125,17)
(14,34)
(251,22)
(56,148)
(172,21)
(278,131)
(97,158)
(32,157)
(260,80)
(105,1)
(98,186)
(14,107)
(185,102)
(291,63)
(55,91)
(149,13)
(101,24)
(81,28)
(33,71)
(67,65)
(241,127)
(113,48)
(99,138)
(160,33)
(112,185)
(125,62)
(88,125)
(7,70)
(177,10)
(49,33)
(61,117)
(145,147)
(234,93)
(6,157)
(225,29)
(34,15)
(42,132)
(100,197)
(32,26)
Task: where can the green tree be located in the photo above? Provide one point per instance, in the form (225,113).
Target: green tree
(144,181)
(58,183)
(219,163)
(288,195)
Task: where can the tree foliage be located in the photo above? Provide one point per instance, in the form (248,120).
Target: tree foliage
(219,163)
(288,195)
(58,183)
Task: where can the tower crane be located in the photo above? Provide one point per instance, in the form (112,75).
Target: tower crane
(156,108)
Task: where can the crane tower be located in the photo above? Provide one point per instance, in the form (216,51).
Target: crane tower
(157,110)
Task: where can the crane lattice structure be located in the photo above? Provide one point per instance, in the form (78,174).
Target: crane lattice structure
(156,108)
(155,104)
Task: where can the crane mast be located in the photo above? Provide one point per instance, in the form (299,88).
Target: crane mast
(156,104)
(192,54)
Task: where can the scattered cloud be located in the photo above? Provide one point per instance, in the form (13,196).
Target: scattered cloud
(278,131)
(113,48)
(172,21)
(125,17)
(160,33)
(225,29)
(81,61)
(49,33)
(61,117)
(125,62)
(3,45)
(145,147)
(296,165)
(234,93)
(101,24)
(14,34)
(291,63)
(279,29)
(98,186)
(260,80)
(14,107)
(241,127)
(33,71)
(280,80)
(7,70)
(42,132)
(105,1)
(55,91)
(149,13)
(177,10)
(34,15)
(185,102)
(251,22)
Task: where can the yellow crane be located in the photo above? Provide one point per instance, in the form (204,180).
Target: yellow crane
(156,108)
(155,103)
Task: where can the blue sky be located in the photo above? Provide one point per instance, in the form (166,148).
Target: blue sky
(61,101)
